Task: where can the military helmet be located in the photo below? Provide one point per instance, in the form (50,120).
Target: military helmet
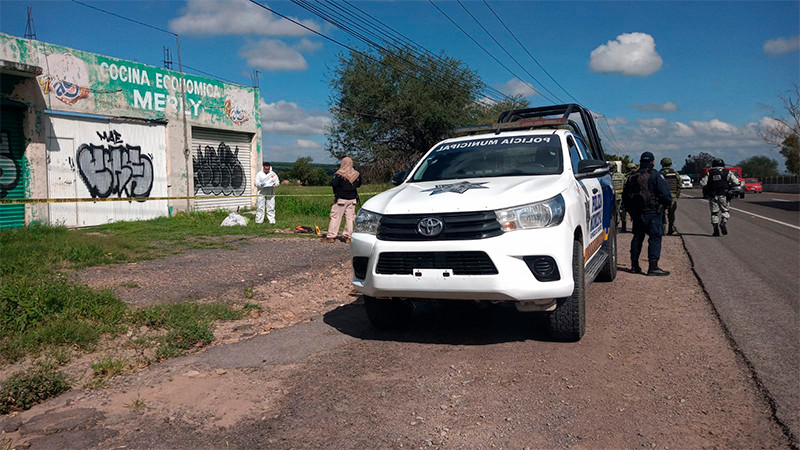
(666,162)
(718,162)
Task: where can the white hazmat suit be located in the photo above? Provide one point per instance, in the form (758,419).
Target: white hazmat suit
(266,182)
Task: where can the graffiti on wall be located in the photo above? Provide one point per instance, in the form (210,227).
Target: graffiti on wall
(115,168)
(218,172)
(65,91)
(9,172)
(237,115)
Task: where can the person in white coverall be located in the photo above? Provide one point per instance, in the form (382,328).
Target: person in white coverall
(266,180)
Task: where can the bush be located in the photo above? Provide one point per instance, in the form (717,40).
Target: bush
(25,389)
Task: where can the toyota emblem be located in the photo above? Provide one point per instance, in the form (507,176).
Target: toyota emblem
(430,226)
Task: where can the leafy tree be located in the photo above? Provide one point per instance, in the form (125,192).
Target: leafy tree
(759,166)
(303,171)
(790,149)
(694,165)
(783,132)
(624,158)
(391,108)
(318,177)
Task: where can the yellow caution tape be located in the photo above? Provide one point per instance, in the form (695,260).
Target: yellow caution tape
(25,201)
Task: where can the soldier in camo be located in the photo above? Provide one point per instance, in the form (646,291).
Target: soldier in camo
(618,181)
(716,184)
(674,183)
(632,167)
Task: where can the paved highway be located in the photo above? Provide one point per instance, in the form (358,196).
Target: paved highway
(753,279)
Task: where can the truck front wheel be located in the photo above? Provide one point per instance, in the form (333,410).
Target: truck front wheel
(388,314)
(568,322)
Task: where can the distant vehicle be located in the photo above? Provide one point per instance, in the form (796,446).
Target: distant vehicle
(753,185)
(686,182)
(736,191)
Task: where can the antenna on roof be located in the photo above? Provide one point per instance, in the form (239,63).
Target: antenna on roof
(30,27)
(167,58)
(254,77)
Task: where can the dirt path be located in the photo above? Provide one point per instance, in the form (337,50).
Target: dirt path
(654,370)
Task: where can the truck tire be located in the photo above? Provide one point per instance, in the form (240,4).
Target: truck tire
(568,322)
(609,270)
(388,314)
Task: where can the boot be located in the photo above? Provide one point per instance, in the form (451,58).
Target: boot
(716,230)
(723,228)
(671,230)
(635,267)
(654,270)
(328,240)
(624,226)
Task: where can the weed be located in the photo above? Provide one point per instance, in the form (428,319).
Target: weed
(251,306)
(248,292)
(137,405)
(106,369)
(130,284)
(61,355)
(26,388)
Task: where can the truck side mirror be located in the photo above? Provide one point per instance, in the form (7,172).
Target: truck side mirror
(398,178)
(592,168)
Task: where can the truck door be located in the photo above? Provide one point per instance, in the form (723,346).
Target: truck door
(594,234)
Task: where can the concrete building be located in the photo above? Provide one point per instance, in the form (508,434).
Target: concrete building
(81,125)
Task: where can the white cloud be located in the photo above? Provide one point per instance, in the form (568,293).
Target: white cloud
(630,54)
(713,127)
(270,54)
(619,120)
(306,143)
(217,17)
(287,118)
(515,86)
(653,107)
(782,46)
(683,130)
(655,122)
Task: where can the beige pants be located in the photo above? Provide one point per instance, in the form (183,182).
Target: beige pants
(346,208)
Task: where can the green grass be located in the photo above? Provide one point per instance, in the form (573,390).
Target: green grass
(106,368)
(26,388)
(42,310)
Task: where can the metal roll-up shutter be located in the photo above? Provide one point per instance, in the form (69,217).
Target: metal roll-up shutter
(12,166)
(221,164)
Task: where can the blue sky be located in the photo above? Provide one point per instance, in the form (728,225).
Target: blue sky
(675,78)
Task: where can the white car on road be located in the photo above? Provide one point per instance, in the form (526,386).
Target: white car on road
(521,214)
(686,182)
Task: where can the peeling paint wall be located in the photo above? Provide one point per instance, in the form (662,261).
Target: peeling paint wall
(81,82)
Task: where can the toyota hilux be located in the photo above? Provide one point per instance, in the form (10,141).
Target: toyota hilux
(519,211)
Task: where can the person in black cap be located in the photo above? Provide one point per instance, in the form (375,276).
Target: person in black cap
(644,196)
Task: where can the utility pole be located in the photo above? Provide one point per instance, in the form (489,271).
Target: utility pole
(30,27)
(167,58)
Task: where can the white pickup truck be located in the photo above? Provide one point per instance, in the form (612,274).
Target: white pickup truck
(520,213)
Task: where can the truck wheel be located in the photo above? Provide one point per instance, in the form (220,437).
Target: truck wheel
(568,322)
(388,314)
(609,270)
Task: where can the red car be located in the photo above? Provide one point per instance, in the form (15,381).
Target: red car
(753,185)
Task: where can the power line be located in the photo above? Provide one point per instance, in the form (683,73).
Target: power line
(126,18)
(217,77)
(509,54)
(529,53)
(479,45)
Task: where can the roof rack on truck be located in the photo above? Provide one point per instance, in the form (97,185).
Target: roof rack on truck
(556,116)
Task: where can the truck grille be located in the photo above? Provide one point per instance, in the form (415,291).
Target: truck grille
(457,226)
(461,263)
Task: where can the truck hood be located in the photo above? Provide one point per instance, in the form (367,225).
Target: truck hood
(469,194)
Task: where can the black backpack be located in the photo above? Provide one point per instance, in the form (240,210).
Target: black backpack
(639,196)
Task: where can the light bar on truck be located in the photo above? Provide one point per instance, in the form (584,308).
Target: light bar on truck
(518,125)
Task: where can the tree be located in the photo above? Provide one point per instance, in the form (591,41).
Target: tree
(624,158)
(307,175)
(790,149)
(694,165)
(759,167)
(389,110)
(783,132)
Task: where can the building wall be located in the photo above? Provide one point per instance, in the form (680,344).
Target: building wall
(75,81)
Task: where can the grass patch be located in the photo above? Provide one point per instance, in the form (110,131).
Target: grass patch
(26,388)
(130,284)
(137,405)
(249,292)
(105,369)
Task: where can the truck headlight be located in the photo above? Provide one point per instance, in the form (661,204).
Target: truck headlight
(547,213)
(367,222)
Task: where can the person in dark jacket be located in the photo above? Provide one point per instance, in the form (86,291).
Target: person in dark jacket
(345,183)
(645,196)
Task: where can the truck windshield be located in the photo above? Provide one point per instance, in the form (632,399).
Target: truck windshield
(493,157)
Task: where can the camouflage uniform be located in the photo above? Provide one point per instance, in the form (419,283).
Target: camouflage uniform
(674,182)
(618,181)
(718,199)
(632,168)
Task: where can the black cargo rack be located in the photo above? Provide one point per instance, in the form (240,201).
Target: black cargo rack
(557,116)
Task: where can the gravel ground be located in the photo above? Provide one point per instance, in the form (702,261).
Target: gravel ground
(654,370)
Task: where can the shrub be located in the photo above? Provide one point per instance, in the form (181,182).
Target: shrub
(25,389)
